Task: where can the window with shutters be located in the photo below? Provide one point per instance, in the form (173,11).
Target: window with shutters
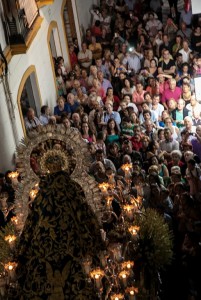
(30,10)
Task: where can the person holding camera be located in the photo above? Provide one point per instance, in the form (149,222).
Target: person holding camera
(132,61)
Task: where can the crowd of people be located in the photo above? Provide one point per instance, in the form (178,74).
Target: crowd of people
(131,95)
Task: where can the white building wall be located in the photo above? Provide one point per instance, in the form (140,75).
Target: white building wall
(83,12)
(37,55)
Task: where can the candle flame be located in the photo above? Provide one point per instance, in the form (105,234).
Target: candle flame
(97,273)
(10,238)
(13,174)
(134,230)
(127,265)
(126,167)
(10,266)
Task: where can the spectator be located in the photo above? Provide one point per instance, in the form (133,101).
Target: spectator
(85,56)
(31,121)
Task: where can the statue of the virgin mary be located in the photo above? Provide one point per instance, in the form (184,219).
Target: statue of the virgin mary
(60,231)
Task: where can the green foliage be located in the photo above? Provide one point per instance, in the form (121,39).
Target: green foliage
(155,241)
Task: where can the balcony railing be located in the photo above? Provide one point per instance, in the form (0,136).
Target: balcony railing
(18,20)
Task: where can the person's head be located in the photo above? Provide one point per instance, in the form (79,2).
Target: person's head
(100,168)
(148,126)
(30,113)
(165,114)
(91,148)
(176,156)
(172,104)
(185,45)
(93,70)
(65,121)
(84,127)
(166,54)
(127,98)
(193,100)
(61,102)
(76,118)
(100,137)
(71,99)
(172,83)
(145,141)
(147,97)
(186,88)
(145,106)
(113,149)
(126,159)
(188,123)
(151,16)
(161,134)
(100,76)
(127,147)
(188,155)
(139,87)
(109,107)
(179,59)
(191,164)
(84,47)
(198,130)
(76,84)
(112,125)
(45,110)
(167,134)
(146,114)
(99,155)
(180,104)
(168,122)
(128,83)
(84,73)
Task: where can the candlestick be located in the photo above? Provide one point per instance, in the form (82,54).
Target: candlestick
(129,209)
(33,194)
(104,188)
(2,286)
(14,177)
(131,292)
(123,275)
(117,297)
(134,231)
(10,268)
(127,265)
(11,240)
(97,275)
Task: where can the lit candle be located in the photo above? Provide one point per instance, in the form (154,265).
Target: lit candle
(131,292)
(129,209)
(11,240)
(127,169)
(117,297)
(109,200)
(104,187)
(123,275)
(97,275)
(134,231)
(127,265)
(10,268)
(33,194)
(14,177)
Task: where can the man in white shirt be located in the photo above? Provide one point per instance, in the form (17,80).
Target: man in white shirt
(85,56)
(132,61)
(156,106)
(185,51)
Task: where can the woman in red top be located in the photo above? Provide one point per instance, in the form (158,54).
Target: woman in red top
(73,56)
(111,97)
